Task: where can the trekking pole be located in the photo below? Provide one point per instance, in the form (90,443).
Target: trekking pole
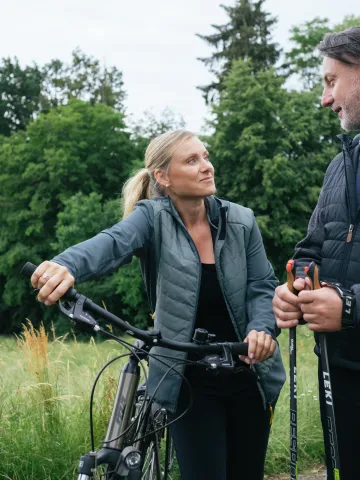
(291,274)
(312,272)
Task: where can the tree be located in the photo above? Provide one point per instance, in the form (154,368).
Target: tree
(303,59)
(27,92)
(20,95)
(75,148)
(85,79)
(270,154)
(246,36)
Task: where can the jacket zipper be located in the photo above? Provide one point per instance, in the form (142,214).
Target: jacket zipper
(352,227)
(348,247)
(217,266)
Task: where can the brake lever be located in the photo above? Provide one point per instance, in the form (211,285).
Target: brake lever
(75,311)
(216,361)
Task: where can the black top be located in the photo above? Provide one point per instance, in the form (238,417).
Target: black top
(212,313)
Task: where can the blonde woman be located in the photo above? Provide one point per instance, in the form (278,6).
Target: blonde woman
(204,266)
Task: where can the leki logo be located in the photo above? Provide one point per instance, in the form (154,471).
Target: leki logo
(347,305)
(294,379)
(327,387)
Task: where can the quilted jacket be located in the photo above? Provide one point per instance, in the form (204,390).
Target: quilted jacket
(171,269)
(333,242)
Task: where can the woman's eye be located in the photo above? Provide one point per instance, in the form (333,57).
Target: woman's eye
(191,160)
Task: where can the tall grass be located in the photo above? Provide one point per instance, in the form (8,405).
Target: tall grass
(44,395)
(45,383)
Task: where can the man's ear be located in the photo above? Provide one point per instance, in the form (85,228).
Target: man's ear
(161,177)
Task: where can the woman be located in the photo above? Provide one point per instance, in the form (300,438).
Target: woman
(204,265)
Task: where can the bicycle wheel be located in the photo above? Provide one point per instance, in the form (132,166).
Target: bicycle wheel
(169,453)
(152,468)
(158,453)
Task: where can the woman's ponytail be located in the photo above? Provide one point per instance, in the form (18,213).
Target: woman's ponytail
(158,154)
(135,189)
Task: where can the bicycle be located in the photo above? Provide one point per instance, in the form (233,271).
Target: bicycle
(131,449)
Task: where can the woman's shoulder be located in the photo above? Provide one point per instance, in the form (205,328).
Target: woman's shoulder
(237,213)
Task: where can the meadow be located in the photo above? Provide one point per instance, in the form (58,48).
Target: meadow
(45,384)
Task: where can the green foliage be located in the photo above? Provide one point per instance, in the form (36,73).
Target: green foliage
(270,154)
(303,59)
(85,79)
(349,21)
(25,92)
(75,148)
(247,35)
(20,95)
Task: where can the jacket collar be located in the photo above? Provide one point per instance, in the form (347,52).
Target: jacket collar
(212,203)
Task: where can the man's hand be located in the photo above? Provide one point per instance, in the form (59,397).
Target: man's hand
(286,305)
(261,347)
(322,309)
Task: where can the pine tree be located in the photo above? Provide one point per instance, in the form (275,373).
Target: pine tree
(246,36)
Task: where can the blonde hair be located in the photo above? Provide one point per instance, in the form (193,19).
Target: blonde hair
(142,185)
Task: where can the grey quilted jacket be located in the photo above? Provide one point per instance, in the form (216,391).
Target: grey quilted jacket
(333,242)
(171,269)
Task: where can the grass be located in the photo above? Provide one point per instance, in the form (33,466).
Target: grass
(45,385)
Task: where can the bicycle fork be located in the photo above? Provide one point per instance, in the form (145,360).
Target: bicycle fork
(119,422)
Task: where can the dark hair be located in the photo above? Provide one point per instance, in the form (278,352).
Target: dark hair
(343,46)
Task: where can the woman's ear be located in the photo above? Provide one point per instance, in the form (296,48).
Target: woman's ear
(161,177)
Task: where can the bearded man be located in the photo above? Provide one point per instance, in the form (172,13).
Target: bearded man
(333,243)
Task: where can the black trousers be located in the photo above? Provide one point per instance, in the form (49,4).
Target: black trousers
(345,386)
(224,435)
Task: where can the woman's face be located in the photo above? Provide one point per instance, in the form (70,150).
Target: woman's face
(191,173)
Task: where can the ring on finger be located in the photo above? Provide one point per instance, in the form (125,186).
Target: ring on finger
(45,276)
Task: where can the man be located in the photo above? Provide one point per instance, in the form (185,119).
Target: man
(333,242)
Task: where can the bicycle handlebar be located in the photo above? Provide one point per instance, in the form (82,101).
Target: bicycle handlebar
(153,338)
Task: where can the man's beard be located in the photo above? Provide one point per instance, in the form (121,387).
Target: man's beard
(351,109)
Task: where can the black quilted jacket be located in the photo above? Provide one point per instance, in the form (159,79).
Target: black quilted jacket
(333,242)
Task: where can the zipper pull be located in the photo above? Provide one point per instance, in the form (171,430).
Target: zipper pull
(350,232)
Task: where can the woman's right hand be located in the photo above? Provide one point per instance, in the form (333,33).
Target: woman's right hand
(52,280)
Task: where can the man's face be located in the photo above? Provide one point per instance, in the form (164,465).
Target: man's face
(342,91)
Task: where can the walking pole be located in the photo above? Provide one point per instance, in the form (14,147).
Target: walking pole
(291,274)
(312,272)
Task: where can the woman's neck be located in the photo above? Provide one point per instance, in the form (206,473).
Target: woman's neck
(191,211)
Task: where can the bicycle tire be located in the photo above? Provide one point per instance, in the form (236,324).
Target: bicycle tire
(169,453)
(151,468)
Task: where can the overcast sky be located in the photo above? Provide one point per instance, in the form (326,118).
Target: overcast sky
(152,42)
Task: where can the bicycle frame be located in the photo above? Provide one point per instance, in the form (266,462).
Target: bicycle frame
(121,452)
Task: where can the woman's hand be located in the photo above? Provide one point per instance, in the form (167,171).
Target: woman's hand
(261,347)
(52,280)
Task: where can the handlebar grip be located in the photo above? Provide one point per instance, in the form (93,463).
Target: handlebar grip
(28,269)
(240,349)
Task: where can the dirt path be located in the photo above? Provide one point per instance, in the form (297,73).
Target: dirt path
(316,474)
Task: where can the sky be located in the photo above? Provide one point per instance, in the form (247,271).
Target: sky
(152,42)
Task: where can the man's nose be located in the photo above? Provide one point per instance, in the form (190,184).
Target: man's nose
(327,99)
